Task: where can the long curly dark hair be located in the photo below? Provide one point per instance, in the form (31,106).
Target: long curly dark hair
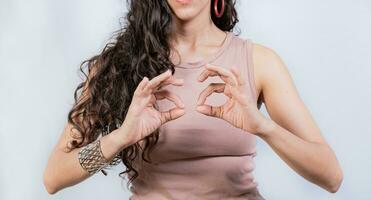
(140,48)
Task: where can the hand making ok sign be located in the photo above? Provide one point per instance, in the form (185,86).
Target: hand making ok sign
(240,110)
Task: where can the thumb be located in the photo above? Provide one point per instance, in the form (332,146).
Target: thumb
(171,114)
(213,111)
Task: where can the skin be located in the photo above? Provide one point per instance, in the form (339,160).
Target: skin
(290,131)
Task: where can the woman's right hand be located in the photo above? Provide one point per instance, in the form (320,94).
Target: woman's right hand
(142,117)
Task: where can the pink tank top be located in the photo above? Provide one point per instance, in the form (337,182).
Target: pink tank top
(197,156)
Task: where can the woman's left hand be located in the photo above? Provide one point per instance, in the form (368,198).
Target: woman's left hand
(240,110)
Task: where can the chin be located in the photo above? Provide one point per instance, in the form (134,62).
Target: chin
(188,9)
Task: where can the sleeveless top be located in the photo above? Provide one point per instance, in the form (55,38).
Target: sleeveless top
(198,156)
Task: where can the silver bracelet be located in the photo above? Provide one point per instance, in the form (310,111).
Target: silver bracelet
(92,160)
(91,157)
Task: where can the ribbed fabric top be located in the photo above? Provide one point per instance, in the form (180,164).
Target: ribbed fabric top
(199,157)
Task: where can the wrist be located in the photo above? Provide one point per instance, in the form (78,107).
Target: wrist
(266,128)
(120,138)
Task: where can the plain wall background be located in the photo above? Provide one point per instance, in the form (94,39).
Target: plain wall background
(325,44)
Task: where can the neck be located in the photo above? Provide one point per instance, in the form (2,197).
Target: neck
(194,31)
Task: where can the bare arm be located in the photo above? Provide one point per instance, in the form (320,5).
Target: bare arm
(292,132)
(63,168)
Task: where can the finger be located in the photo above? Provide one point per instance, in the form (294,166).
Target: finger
(211,88)
(171,114)
(213,111)
(223,73)
(141,85)
(154,82)
(205,74)
(208,73)
(165,94)
(152,100)
(227,76)
(237,74)
(173,81)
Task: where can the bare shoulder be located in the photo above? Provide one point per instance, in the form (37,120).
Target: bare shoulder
(281,96)
(267,66)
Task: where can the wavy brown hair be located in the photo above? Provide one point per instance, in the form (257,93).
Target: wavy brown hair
(140,48)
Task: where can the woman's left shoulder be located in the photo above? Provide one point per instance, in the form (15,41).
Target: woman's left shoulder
(263,55)
(266,57)
(268,65)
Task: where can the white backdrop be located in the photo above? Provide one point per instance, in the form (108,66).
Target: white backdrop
(325,44)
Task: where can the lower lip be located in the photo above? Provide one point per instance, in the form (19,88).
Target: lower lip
(183,1)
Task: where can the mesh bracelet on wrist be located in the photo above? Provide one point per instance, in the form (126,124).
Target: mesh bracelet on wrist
(92,159)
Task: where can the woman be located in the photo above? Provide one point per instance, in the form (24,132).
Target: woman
(193,145)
